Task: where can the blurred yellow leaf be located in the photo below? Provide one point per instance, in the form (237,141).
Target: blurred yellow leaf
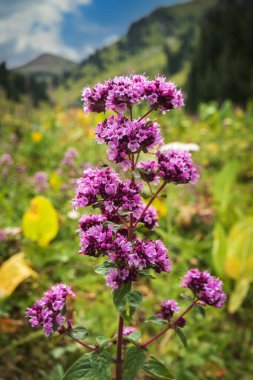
(40,221)
(55,181)
(12,272)
(36,137)
(238,295)
(239,257)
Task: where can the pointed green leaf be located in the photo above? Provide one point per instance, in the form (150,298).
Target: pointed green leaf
(135,358)
(79,333)
(158,369)
(156,321)
(119,297)
(181,336)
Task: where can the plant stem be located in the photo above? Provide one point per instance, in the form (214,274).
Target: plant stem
(170,326)
(85,345)
(146,114)
(149,203)
(119,361)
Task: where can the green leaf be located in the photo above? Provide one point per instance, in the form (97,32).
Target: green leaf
(200,310)
(135,358)
(134,299)
(81,369)
(156,321)
(219,249)
(136,174)
(104,267)
(181,336)
(119,297)
(146,273)
(134,337)
(124,212)
(79,332)
(186,297)
(103,340)
(116,227)
(90,366)
(158,369)
(238,295)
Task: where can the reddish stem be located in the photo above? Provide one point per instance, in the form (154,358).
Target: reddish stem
(170,326)
(149,203)
(86,345)
(146,114)
(119,361)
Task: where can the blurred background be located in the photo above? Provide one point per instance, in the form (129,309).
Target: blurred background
(48,52)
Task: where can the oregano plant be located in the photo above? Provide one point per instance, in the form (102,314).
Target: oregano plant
(122,204)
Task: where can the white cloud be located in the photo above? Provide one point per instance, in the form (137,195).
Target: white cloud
(111,39)
(30,27)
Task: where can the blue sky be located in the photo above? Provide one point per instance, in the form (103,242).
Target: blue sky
(69,28)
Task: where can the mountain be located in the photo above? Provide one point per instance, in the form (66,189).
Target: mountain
(46,65)
(163,42)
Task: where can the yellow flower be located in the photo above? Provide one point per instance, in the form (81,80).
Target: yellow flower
(36,137)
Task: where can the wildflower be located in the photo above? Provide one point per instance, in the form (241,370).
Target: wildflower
(177,166)
(125,137)
(163,95)
(147,170)
(207,288)
(69,158)
(48,311)
(41,181)
(127,330)
(168,308)
(150,218)
(6,159)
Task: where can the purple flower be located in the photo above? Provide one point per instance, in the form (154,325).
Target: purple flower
(117,276)
(95,183)
(47,312)
(40,180)
(207,288)
(127,330)
(147,170)
(3,235)
(150,254)
(6,159)
(168,308)
(124,92)
(176,166)
(94,100)
(125,137)
(90,220)
(150,218)
(70,157)
(163,95)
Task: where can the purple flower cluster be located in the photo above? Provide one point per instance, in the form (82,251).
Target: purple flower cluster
(121,93)
(90,220)
(40,180)
(168,308)
(207,288)
(150,218)
(147,170)
(177,166)
(105,186)
(47,312)
(127,136)
(128,257)
(70,157)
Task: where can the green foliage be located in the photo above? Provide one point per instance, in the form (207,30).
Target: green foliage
(154,367)
(79,333)
(134,361)
(156,321)
(222,54)
(90,366)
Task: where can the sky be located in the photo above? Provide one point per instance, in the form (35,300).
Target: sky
(70,28)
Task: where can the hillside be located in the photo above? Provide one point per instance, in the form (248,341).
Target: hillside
(222,63)
(163,42)
(46,65)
